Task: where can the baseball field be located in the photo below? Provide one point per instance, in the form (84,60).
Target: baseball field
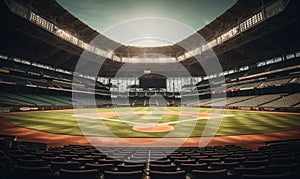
(147,122)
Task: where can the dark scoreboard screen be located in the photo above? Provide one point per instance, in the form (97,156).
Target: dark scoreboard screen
(152,83)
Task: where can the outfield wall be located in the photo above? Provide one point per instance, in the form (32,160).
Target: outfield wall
(41,108)
(38,108)
(253,108)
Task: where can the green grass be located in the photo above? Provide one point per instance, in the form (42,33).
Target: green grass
(64,122)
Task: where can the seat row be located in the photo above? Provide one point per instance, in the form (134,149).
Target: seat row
(25,160)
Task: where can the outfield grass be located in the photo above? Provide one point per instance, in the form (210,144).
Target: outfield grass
(238,123)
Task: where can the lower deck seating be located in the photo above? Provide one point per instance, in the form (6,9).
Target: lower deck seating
(32,160)
(24,99)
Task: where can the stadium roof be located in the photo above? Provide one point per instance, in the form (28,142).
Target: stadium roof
(273,37)
(102,15)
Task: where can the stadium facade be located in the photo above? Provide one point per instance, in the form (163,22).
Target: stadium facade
(43,44)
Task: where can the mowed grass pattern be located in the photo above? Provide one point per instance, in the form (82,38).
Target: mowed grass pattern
(64,122)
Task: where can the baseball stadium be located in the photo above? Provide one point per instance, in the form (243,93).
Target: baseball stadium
(96,91)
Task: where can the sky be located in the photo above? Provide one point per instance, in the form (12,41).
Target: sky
(112,18)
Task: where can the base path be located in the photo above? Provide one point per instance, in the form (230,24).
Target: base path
(249,141)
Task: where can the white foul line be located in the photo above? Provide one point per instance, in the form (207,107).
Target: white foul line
(137,123)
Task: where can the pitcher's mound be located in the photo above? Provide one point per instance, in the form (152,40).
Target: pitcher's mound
(153,127)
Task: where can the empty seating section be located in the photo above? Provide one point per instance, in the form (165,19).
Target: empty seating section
(274,100)
(27,68)
(235,85)
(11,101)
(83,101)
(285,101)
(39,99)
(276,82)
(34,160)
(19,99)
(202,102)
(24,99)
(232,100)
(271,100)
(297,105)
(58,100)
(102,101)
(209,102)
(215,102)
(147,101)
(254,84)
(258,100)
(225,101)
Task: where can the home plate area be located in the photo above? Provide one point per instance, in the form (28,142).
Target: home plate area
(151,123)
(153,127)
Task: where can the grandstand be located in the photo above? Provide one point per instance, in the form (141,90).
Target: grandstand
(148,111)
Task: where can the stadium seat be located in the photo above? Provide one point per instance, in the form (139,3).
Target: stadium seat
(278,161)
(100,167)
(256,163)
(157,157)
(222,157)
(180,162)
(237,155)
(48,160)
(132,162)
(109,161)
(198,157)
(257,158)
(283,168)
(118,157)
(42,154)
(69,157)
(56,166)
(78,174)
(164,168)
(123,175)
(54,152)
(83,161)
(22,156)
(190,167)
(209,161)
(255,154)
(250,170)
(31,163)
(209,174)
(269,176)
(235,159)
(224,165)
(139,158)
(32,172)
(279,155)
(173,158)
(161,162)
(167,175)
(130,167)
